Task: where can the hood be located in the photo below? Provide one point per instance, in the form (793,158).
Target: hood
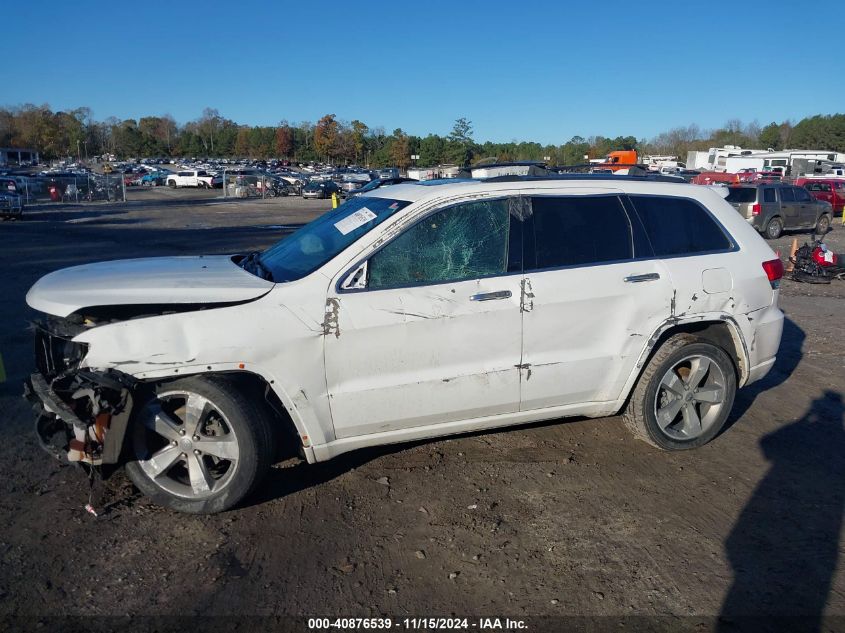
(152,280)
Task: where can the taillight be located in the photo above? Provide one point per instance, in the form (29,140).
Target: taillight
(755,209)
(774,271)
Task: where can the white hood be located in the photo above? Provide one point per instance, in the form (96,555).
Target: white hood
(152,280)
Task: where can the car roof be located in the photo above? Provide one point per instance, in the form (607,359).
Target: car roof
(432,189)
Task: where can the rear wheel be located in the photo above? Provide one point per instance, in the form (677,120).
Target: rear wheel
(199,445)
(774,229)
(684,395)
(171,184)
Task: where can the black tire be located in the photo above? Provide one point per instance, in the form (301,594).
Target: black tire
(171,184)
(245,417)
(823,225)
(640,414)
(774,229)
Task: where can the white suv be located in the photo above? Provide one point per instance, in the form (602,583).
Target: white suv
(410,312)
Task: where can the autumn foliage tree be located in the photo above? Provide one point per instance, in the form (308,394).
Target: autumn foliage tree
(71,133)
(325,136)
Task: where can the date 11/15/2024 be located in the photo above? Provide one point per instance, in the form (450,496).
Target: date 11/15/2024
(417,624)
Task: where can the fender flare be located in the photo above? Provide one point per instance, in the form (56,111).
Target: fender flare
(308,436)
(713,318)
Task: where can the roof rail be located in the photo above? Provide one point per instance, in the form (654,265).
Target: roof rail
(583,176)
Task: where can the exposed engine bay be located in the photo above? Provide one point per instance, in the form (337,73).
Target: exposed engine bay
(82,415)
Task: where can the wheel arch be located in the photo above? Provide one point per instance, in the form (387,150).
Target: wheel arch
(292,436)
(722,331)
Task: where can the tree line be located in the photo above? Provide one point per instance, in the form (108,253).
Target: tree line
(75,133)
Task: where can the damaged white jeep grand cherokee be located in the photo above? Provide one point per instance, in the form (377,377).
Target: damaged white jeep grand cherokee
(414,311)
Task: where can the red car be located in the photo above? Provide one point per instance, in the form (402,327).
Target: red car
(830,190)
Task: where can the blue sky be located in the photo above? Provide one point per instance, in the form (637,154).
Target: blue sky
(518,70)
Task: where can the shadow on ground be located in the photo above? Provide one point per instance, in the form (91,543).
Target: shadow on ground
(784,547)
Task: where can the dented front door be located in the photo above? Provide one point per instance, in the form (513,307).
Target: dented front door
(433,331)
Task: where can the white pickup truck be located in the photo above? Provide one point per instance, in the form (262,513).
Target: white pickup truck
(190,178)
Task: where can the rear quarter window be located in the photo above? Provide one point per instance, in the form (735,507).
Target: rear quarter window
(679,226)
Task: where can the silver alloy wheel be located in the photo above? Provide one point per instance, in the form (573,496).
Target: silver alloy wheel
(690,397)
(185,445)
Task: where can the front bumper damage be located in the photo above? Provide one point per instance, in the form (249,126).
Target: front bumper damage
(81,415)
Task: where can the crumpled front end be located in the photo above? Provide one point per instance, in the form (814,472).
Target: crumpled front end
(82,414)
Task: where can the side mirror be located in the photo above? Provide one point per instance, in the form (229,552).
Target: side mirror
(357,279)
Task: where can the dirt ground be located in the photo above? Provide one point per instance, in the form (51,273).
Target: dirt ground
(570,518)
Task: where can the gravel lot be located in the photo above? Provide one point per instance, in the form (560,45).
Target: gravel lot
(554,519)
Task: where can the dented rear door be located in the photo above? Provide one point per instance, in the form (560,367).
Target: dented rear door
(589,304)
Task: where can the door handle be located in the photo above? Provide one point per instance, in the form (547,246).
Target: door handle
(635,279)
(492,296)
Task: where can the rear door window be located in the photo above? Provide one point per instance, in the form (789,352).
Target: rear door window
(769,195)
(679,226)
(577,231)
(787,194)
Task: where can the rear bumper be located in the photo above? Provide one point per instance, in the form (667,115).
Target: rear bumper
(767,327)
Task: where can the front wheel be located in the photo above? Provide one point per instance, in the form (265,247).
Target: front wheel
(823,225)
(171,184)
(199,445)
(684,395)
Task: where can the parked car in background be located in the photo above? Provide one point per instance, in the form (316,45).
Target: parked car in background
(687,174)
(317,189)
(9,184)
(773,208)
(831,190)
(189,178)
(375,184)
(155,178)
(11,205)
(387,173)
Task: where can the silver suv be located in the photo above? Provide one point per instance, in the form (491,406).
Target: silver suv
(773,208)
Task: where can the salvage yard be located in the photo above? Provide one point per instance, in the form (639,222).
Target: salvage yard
(571,518)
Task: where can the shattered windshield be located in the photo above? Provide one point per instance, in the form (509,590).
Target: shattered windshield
(317,242)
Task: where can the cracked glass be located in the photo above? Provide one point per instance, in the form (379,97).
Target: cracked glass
(466,241)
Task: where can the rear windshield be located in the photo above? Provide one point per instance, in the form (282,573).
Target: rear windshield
(742,194)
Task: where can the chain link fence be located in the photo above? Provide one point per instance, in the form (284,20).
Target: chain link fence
(239,185)
(71,188)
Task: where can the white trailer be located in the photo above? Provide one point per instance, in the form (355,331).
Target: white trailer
(423,173)
(733,164)
(698,160)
